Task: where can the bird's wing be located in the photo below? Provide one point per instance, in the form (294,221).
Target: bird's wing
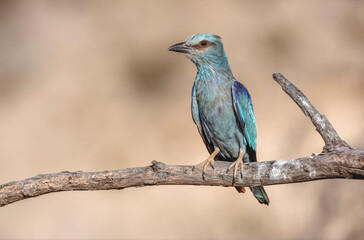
(244,111)
(196,119)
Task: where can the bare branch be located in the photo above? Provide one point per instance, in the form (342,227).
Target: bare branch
(341,164)
(337,160)
(323,126)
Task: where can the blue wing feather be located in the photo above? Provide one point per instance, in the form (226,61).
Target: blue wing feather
(196,119)
(244,110)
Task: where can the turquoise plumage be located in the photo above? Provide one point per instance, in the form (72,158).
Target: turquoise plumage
(221,107)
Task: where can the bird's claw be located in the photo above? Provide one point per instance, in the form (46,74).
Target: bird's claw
(208,162)
(235,165)
(205,163)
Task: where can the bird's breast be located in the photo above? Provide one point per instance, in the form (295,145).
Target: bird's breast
(216,110)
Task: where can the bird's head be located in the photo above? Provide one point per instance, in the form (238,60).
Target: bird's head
(202,49)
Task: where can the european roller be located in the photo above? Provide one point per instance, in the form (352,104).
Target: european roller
(221,107)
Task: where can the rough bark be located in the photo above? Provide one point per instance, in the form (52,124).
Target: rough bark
(338,160)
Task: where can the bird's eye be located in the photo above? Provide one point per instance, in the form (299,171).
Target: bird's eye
(203,43)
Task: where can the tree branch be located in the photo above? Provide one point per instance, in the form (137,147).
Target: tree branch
(323,126)
(338,160)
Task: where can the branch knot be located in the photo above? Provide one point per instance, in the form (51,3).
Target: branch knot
(157,166)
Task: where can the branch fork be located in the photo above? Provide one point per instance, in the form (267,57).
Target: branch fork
(337,160)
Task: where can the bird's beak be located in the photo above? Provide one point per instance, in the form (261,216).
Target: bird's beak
(180,47)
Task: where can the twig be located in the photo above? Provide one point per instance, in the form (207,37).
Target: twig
(338,160)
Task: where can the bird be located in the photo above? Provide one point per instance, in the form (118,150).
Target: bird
(221,108)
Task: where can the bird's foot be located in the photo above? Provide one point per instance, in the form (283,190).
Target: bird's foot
(208,162)
(235,165)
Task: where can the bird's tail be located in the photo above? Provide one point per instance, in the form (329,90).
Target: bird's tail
(260,194)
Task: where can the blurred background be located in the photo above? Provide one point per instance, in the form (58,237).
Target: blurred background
(90,85)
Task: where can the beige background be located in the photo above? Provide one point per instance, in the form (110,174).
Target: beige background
(90,85)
